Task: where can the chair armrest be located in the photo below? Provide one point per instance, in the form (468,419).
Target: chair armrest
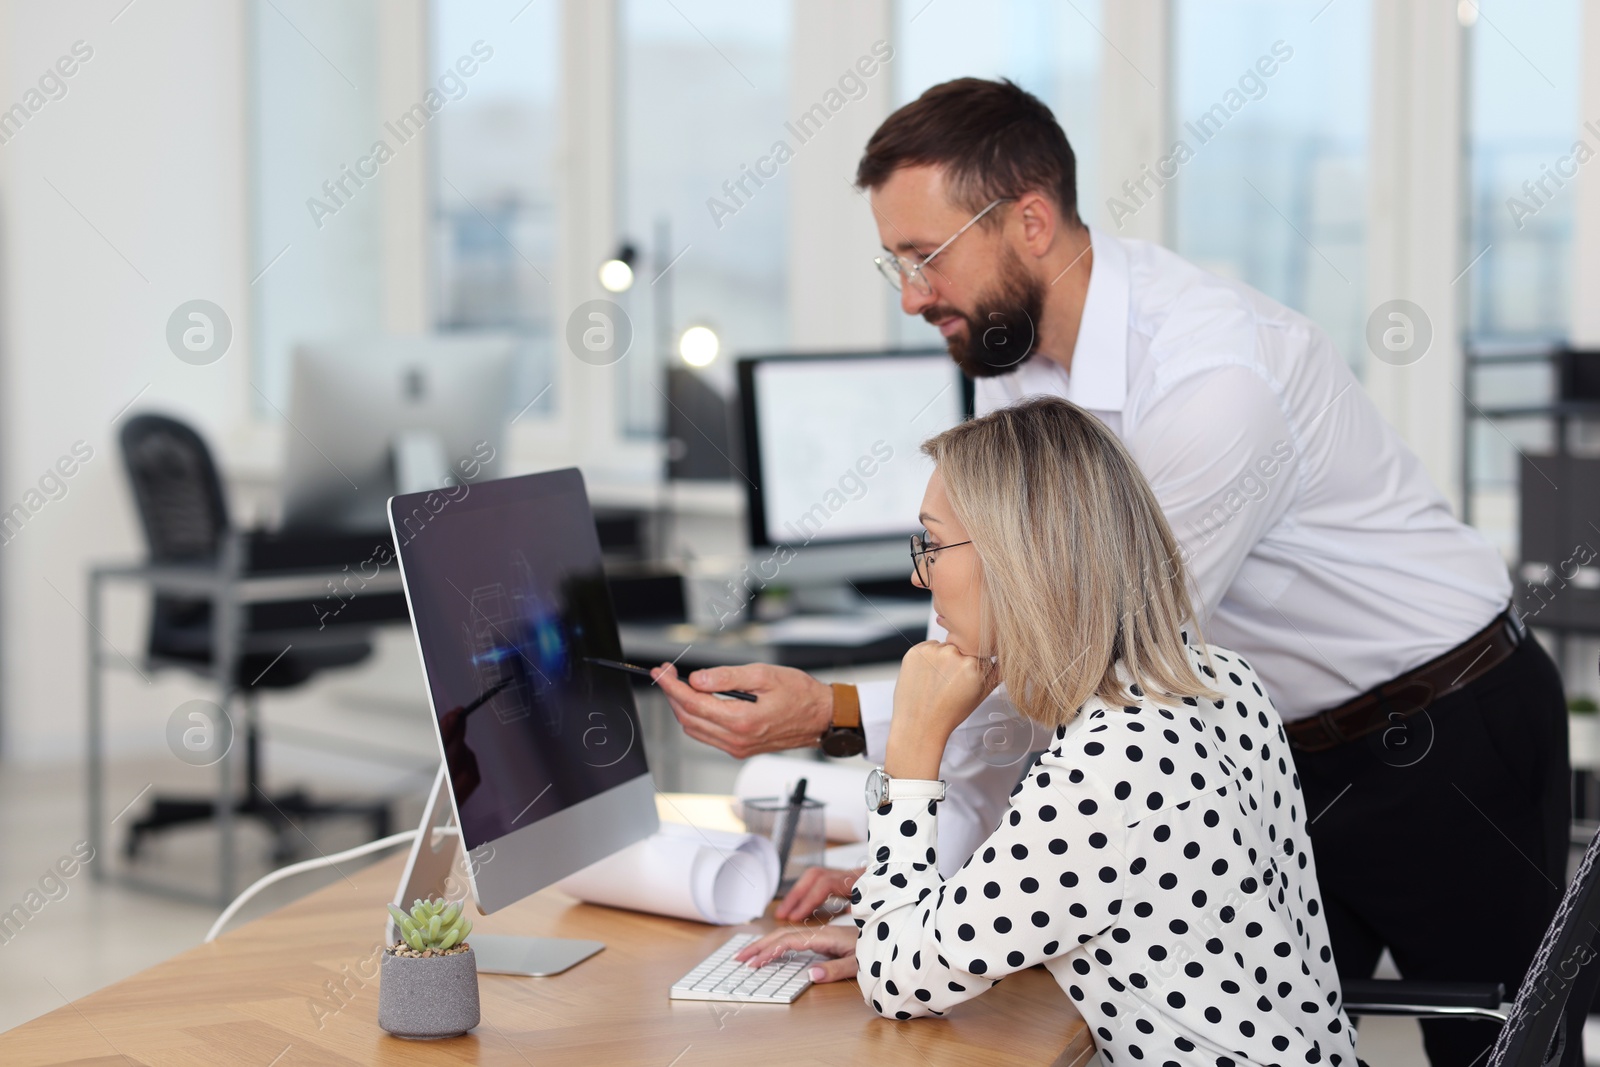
(1377,996)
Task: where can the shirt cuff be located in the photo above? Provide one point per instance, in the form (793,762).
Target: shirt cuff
(877,708)
(905,831)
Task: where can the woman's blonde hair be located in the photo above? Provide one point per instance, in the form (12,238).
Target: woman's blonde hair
(1080,569)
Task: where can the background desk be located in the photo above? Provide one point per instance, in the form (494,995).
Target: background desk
(263,991)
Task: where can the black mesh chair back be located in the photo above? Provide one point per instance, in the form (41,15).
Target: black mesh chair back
(175,487)
(184,514)
(1554,998)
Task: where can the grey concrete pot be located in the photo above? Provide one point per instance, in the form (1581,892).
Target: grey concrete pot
(430,996)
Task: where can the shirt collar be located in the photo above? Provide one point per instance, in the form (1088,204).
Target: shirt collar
(1099,377)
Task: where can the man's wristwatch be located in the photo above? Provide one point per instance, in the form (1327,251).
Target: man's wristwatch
(845,735)
(881,789)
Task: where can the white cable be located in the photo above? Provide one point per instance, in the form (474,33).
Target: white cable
(403,837)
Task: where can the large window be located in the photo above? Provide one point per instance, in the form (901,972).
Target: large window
(1525,145)
(1523,123)
(1050,49)
(1270,151)
(316,259)
(494,180)
(705,91)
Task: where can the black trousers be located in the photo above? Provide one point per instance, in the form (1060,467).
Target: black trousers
(1445,838)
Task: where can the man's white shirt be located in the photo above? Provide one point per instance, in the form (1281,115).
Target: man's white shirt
(1316,545)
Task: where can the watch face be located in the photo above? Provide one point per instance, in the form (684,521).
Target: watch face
(875,788)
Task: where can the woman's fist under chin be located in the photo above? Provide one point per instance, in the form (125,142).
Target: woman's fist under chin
(939,686)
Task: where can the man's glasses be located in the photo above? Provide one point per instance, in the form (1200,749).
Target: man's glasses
(900,270)
(922,555)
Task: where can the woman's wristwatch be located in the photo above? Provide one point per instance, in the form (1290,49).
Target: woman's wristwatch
(845,735)
(882,789)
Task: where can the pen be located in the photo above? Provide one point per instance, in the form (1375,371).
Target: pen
(485,697)
(634,668)
(791,822)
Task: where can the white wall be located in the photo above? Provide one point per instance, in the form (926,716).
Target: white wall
(148,148)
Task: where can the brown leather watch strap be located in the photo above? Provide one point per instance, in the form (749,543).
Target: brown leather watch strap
(846,706)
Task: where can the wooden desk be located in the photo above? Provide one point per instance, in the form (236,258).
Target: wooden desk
(263,991)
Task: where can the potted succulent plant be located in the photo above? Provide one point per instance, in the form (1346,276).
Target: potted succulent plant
(428,985)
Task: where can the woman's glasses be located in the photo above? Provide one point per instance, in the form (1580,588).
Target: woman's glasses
(922,554)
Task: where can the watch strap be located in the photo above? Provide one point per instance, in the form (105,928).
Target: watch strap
(916,789)
(846,706)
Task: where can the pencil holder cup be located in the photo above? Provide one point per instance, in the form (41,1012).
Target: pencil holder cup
(767,816)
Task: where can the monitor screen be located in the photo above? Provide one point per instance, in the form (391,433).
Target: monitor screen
(508,599)
(833,442)
(365,411)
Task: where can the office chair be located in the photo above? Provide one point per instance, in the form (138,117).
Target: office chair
(1544,1026)
(184,514)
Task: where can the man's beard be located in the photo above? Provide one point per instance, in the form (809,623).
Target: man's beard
(1001,331)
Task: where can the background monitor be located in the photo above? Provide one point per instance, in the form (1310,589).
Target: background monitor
(699,429)
(543,749)
(833,442)
(374,416)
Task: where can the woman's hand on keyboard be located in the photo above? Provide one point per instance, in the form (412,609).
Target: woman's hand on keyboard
(812,890)
(838,943)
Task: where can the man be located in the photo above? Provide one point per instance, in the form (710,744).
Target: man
(1427,727)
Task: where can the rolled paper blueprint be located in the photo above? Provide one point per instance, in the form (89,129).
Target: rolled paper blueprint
(684,872)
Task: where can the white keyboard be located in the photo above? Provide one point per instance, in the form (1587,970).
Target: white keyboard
(721,977)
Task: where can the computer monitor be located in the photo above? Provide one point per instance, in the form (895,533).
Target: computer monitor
(375,416)
(543,749)
(833,442)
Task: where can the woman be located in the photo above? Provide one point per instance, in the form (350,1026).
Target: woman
(1155,858)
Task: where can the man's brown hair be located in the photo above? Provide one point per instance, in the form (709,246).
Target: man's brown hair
(993,138)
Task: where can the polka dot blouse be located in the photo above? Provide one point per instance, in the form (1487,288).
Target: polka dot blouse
(1155,861)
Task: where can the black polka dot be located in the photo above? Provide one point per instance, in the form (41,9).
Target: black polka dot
(909,828)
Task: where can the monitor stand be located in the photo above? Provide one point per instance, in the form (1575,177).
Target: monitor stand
(437,868)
